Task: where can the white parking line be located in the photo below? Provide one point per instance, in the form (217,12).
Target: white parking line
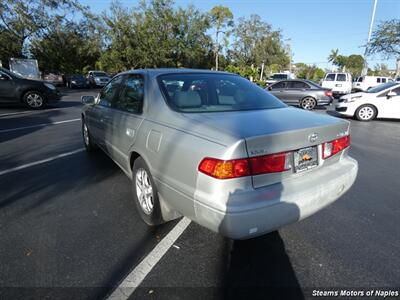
(38,125)
(136,277)
(40,161)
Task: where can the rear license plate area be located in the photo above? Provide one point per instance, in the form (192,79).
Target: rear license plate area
(305,159)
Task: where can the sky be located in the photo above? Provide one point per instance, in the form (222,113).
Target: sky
(314,27)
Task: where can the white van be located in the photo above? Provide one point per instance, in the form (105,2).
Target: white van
(363,83)
(339,83)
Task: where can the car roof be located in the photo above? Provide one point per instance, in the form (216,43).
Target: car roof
(162,71)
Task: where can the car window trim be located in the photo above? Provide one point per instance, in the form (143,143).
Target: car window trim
(9,77)
(125,77)
(114,95)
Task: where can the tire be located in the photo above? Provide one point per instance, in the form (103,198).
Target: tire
(90,146)
(308,103)
(34,100)
(365,113)
(148,205)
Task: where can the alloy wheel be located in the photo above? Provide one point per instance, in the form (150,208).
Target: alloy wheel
(144,191)
(34,100)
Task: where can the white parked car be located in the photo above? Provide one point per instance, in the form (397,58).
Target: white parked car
(339,83)
(364,83)
(382,101)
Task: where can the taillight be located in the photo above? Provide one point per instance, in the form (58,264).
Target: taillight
(328,93)
(225,169)
(335,146)
(272,163)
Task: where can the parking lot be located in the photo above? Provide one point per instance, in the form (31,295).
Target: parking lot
(69,228)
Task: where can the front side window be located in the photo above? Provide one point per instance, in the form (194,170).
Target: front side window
(131,96)
(330,77)
(202,92)
(110,91)
(341,77)
(279,85)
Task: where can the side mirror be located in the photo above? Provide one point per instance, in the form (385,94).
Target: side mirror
(88,100)
(391,94)
(269,88)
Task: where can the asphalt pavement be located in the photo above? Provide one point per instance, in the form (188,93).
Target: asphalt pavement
(69,229)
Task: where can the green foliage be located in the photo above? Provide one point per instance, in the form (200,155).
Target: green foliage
(245,71)
(386,39)
(21,21)
(312,72)
(221,18)
(380,70)
(155,34)
(69,48)
(256,43)
(353,63)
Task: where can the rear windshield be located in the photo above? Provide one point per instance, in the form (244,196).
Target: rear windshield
(190,92)
(341,77)
(330,77)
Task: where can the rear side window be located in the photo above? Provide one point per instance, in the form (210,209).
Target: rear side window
(330,77)
(341,77)
(202,92)
(110,92)
(298,85)
(360,79)
(131,95)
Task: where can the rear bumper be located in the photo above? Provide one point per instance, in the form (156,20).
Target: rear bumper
(324,101)
(281,204)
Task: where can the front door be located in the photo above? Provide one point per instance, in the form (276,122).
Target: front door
(7,88)
(125,119)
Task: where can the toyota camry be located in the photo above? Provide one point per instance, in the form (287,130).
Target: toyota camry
(218,149)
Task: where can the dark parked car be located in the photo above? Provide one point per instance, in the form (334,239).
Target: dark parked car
(76,81)
(305,93)
(33,93)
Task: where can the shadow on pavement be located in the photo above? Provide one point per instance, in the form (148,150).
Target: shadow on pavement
(260,268)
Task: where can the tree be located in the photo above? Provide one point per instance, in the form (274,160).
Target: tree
(311,72)
(22,20)
(155,34)
(386,39)
(83,50)
(255,42)
(222,19)
(353,63)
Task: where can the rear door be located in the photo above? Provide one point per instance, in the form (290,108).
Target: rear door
(296,91)
(279,90)
(125,118)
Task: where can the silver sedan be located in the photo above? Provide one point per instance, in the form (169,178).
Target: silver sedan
(218,149)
